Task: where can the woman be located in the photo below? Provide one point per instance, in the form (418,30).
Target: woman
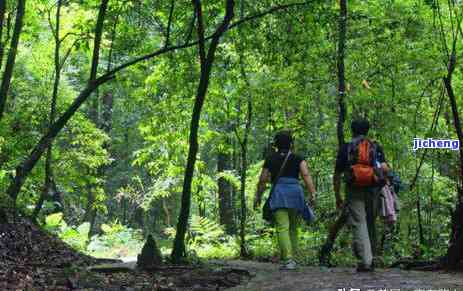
(287,201)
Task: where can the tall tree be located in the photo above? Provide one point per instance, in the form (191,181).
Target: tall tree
(8,73)
(56,126)
(226,213)
(342,26)
(58,66)
(342,219)
(243,141)
(90,214)
(243,170)
(455,249)
(2,20)
(206,60)
(25,167)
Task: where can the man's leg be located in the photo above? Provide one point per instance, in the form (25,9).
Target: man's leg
(282,228)
(372,204)
(358,222)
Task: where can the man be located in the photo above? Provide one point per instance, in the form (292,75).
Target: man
(362,195)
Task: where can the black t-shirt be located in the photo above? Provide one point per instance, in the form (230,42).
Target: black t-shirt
(291,169)
(342,162)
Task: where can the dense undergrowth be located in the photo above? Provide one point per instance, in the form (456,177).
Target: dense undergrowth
(207,240)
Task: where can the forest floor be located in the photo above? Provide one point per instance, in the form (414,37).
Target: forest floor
(31,259)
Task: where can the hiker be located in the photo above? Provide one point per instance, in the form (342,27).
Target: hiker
(389,199)
(363,164)
(390,207)
(287,204)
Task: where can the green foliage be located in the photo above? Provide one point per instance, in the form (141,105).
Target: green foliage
(76,237)
(207,239)
(283,63)
(230,177)
(117,240)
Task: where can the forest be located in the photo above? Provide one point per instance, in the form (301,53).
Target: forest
(136,131)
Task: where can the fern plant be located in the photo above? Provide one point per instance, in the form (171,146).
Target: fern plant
(204,230)
(206,238)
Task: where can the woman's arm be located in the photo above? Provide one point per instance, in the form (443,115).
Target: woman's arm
(307,180)
(261,186)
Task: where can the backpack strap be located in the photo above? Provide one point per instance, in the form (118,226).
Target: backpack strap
(279,173)
(282,167)
(353,145)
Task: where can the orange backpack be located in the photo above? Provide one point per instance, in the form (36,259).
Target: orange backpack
(362,158)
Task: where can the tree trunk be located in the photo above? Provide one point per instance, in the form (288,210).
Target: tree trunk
(235,167)
(57,198)
(139,217)
(178,252)
(97,41)
(44,194)
(90,200)
(2,20)
(244,167)
(90,211)
(342,219)
(24,169)
(419,221)
(49,157)
(244,159)
(341,78)
(226,212)
(455,249)
(166,212)
(324,256)
(26,166)
(124,209)
(8,73)
(106,116)
(103,122)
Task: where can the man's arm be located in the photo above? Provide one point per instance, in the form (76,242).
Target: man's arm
(385,167)
(382,160)
(341,163)
(261,186)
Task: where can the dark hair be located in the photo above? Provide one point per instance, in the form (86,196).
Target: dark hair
(360,127)
(283,140)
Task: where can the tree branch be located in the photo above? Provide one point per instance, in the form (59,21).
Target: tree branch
(200,30)
(98,35)
(10,62)
(190,44)
(266,12)
(23,169)
(169,23)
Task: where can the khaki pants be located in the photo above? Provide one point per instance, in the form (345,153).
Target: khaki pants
(362,208)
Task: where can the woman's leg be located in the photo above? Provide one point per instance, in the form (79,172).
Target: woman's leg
(294,229)
(282,228)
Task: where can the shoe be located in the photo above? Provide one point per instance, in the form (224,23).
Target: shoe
(361,268)
(289,265)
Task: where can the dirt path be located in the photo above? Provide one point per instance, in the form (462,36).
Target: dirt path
(268,277)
